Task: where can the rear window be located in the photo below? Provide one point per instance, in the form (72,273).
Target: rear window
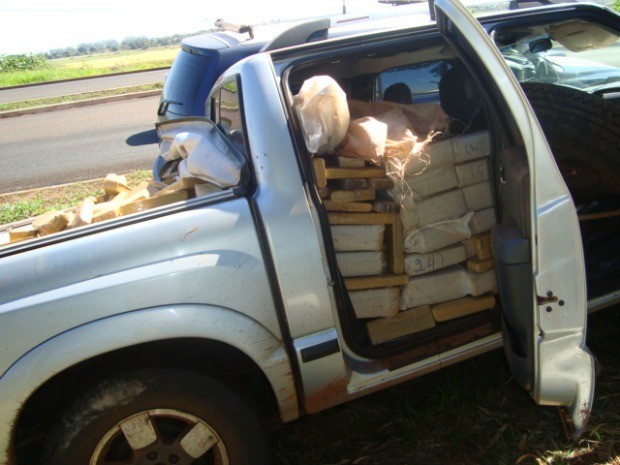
(184,81)
(420,79)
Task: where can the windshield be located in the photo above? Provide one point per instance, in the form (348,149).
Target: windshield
(576,53)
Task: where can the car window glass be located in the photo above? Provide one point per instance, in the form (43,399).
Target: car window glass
(579,54)
(227,114)
(215,107)
(422,80)
(184,82)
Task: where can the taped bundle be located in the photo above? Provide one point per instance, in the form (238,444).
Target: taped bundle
(324,114)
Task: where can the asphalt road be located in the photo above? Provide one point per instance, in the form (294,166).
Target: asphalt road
(77,144)
(83,85)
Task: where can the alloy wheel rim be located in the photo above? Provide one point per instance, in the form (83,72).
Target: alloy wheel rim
(160,437)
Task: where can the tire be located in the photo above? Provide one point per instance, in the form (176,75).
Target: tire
(583,131)
(158,417)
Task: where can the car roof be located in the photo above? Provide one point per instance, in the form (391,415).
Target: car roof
(212,41)
(290,33)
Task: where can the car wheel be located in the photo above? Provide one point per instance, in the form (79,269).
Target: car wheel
(158,417)
(583,131)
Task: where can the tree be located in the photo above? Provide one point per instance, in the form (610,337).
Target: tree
(134,43)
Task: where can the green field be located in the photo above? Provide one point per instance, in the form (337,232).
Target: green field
(93,65)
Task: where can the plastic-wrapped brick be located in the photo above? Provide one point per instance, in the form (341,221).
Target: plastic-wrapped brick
(373,303)
(353,264)
(349,238)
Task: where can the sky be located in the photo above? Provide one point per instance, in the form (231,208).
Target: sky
(31,26)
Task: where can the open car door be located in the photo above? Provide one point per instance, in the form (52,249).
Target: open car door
(537,247)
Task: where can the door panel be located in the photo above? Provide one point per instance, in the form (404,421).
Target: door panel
(513,262)
(537,246)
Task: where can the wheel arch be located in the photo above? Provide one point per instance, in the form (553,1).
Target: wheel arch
(204,339)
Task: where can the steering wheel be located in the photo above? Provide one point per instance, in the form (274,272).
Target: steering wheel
(545,72)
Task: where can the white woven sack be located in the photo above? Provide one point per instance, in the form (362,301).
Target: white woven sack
(417,264)
(437,236)
(428,183)
(441,207)
(482,221)
(472,172)
(324,114)
(449,284)
(441,286)
(478,196)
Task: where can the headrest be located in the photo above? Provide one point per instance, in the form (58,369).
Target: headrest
(398,93)
(458,94)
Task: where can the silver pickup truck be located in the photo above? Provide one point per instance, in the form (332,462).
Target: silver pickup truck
(168,335)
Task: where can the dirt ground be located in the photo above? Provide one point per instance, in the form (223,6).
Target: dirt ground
(470,413)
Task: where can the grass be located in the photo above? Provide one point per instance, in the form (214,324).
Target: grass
(472,413)
(20,209)
(21,205)
(93,65)
(78,97)
(158,56)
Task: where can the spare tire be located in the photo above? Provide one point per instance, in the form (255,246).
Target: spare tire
(583,131)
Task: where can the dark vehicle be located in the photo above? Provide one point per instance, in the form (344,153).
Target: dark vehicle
(203,58)
(200,62)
